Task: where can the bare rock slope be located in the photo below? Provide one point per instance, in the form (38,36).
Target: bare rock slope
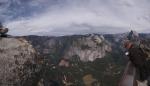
(17,62)
(88,48)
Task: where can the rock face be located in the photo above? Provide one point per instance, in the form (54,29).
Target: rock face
(17,62)
(88,48)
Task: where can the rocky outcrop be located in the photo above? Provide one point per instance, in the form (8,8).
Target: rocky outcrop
(17,62)
(88,48)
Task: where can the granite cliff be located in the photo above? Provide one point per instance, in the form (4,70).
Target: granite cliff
(17,62)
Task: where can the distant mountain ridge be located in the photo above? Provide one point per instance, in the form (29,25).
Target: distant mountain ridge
(68,46)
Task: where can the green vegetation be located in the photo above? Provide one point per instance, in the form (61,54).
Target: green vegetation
(106,71)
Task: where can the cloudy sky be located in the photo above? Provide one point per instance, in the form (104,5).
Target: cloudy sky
(67,17)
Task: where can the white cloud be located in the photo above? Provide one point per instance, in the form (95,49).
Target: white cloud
(85,16)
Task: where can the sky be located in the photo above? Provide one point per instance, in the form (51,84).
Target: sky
(69,17)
